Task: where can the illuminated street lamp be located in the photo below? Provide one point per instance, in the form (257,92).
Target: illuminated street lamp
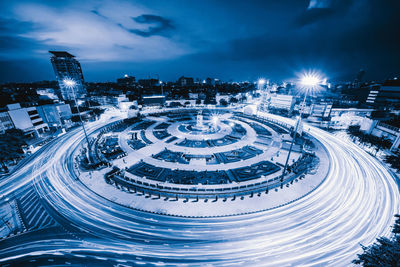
(260,83)
(308,82)
(70,84)
(162,89)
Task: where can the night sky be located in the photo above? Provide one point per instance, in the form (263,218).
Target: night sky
(231,40)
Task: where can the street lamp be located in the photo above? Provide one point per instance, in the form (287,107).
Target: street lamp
(308,82)
(260,83)
(70,84)
(162,89)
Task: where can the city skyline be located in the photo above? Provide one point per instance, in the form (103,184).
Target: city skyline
(230,41)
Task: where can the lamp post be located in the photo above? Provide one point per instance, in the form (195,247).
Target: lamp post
(260,83)
(162,89)
(70,84)
(309,82)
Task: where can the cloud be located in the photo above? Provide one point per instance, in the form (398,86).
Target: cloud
(157,25)
(111,37)
(321,9)
(94,32)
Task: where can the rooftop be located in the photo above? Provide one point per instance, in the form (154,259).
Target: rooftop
(392,82)
(61,54)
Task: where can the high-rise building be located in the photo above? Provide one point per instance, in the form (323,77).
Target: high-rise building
(67,67)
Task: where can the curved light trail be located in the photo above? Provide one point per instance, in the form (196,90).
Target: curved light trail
(355,204)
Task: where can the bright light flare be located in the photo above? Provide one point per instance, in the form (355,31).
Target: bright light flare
(261,81)
(69,83)
(310,80)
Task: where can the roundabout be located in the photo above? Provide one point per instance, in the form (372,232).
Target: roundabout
(323,226)
(231,161)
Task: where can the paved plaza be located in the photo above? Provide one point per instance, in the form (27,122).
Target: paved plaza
(204,156)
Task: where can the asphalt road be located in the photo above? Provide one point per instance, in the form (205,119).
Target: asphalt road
(354,205)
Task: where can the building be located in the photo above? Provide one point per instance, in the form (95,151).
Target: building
(382,129)
(5,122)
(155,100)
(148,83)
(67,67)
(104,100)
(27,119)
(322,110)
(285,102)
(185,81)
(373,93)
(124,104)
(55,115)
(212,81)
(387,96)
(127,81)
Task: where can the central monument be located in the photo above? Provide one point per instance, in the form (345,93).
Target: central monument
(199,120)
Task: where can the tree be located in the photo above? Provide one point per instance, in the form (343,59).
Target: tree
(233,100)
(175,104)
(11,143)
(393,160)
(385,252)
(223,102)
(75,118)
(97,111)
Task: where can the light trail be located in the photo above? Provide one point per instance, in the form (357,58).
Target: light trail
(355,204)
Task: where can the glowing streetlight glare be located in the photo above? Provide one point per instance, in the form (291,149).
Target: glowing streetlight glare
(261,81)
(69,83)
(310,80)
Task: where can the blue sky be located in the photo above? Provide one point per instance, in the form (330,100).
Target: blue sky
(235,40)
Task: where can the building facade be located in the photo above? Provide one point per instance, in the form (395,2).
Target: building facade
(55,115)
(185,81)
(5,122)
(27,119)
(386,96)
(67,67)
(285,102)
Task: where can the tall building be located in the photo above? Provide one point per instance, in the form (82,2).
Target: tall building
(67,67)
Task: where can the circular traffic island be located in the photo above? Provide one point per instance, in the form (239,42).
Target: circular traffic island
(203,163)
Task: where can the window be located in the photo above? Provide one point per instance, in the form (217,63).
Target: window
(35,117)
